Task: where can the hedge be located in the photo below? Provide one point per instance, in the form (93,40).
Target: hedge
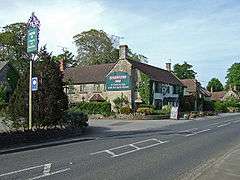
(103,108)
(75,119)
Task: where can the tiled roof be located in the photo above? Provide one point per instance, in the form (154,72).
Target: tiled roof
(191,85)
(98,73)
(88,74)
(157,74)
(217,96)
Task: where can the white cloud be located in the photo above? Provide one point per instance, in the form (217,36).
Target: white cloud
(60,20)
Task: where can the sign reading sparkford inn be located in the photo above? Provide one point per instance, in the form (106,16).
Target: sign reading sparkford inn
(32,40)
(118,81)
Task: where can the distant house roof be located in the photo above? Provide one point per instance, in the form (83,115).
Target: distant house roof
(157,74)
(88,74)
(191,85)
(98,73)
(205,92)
(218,96)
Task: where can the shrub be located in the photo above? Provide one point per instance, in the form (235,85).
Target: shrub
(166,110)
(75,119)
(103,108)
(125,110)
(220,106)
(146,106)
(120,102)
(146,111)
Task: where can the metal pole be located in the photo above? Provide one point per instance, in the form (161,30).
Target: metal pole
(30,96)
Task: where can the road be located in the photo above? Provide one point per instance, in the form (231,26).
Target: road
(177,151)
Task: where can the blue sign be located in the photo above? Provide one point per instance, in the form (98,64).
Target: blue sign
(34,84)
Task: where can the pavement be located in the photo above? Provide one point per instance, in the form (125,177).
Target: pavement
(226,168)
(185,150)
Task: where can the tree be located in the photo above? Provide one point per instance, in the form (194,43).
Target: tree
(13,46)
(214,85)
(184,71)
(67,57)
(94,47)
(49,102)
(233,75)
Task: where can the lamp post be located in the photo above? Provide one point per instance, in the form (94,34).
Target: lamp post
(33,27)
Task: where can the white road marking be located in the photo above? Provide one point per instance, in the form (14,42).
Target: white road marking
(237,121)
(214,124)
(47,168)
(187,130)
(21,170)
(50,174)
(222,125)
(198,132)
(134,145)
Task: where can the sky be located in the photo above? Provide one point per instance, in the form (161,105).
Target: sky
(205,33)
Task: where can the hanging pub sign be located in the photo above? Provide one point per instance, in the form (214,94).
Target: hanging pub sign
(118,81)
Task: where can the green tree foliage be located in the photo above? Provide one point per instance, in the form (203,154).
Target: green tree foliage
(13,46)
(145,88)
(215,85)
(18,105)
(233,75)
(67,57)
(3,95)
(184,71)
(94,47)
(49,102)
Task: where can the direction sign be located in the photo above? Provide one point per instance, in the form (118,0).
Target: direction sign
(34,84)
(32,40)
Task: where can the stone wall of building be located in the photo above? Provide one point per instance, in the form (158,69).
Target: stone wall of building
(121,66)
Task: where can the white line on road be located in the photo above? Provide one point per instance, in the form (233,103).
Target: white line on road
(134,145)
(237,121)
(205,130)
(47,168)
(222,125)
(22,170)
(50,174)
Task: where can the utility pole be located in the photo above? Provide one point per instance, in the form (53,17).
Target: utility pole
(33,26)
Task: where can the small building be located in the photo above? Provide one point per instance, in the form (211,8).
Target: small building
(195,95)
(123,78)
(224,95)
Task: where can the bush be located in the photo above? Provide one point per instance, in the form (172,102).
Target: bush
(75,119)
(125,110)
(146,110)
(103,108)
(146,106)
(166,110)
(220,106)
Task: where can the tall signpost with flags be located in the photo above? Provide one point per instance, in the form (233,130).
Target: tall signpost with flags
(33,27)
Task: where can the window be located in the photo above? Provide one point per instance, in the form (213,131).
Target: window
(97,87)
(71,89)
(81,87)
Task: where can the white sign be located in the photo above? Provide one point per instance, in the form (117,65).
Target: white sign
(174,113)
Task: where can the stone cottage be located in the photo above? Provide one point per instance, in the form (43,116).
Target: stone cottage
(123,78)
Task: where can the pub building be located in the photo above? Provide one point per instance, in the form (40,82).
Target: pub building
(105,82)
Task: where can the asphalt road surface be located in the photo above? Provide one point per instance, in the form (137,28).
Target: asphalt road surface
(177,151)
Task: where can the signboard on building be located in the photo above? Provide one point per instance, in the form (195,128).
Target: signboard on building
(32,40)
(174,113)
(118,81)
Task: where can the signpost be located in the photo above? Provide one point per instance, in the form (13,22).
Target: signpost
(118,81)
(32,48)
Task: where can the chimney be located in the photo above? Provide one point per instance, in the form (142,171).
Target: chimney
(168,67)
(61,65)
(235,88)
(123,52)
(211,89)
